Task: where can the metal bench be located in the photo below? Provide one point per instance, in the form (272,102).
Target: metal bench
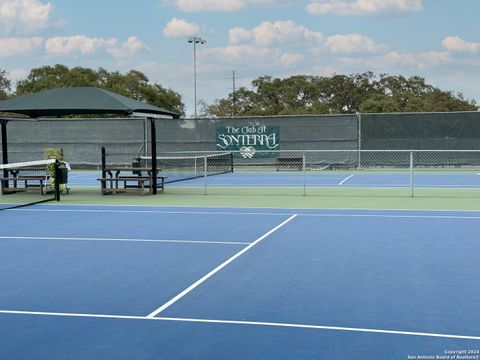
(289,163)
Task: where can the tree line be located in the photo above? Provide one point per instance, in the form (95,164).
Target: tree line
(300,94)
(338,94)
(133,84)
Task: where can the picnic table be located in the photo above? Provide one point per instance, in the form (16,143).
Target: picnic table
(129,179)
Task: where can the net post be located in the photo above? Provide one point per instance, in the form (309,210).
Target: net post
(411,174)
(231,162)
(57,179)
(205,174)
(304,171)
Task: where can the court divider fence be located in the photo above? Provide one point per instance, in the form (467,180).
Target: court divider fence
(303,172)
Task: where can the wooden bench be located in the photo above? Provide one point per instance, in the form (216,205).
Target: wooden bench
(39,183)
(138,184)
(289,163)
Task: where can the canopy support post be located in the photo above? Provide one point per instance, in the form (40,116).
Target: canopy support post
(153,146)
(4,141)
(3,124)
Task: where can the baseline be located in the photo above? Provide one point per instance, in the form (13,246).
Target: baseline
(242,322)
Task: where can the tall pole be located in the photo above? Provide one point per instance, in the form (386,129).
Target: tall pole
(234,99)
(195,40)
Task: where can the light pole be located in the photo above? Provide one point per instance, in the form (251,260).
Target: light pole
(195,40)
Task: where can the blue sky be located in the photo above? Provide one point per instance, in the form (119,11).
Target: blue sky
(436,39)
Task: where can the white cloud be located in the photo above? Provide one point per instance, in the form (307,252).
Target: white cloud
(132,46)
(241,53)
(66,45)
(84,45)
(363,7)
(454,43)
(287,60)
(395,60)
(353,43)
(19,46)
(268,33)
(180,28)
(281,32)
(209,5)
(24,16)
(17,74)
(225,5)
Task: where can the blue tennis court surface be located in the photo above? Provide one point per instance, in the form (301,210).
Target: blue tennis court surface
(102,282)
(320,179)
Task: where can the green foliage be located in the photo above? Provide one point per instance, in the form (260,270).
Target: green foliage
(5,85)
(338,94)
(54,153)
(133,84)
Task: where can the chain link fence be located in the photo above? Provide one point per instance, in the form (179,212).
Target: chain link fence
(304,172)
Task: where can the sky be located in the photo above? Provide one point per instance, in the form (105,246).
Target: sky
(436,39)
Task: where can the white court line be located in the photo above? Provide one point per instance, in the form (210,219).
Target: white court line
(279,179)
(343,181)
(148,211)
(92,175)
(121,240)
(281,214)
(453,217)
(241,322)
(217,269)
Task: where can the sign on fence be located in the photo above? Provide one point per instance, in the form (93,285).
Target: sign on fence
(248,139)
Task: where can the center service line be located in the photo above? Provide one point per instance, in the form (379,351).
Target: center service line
(344,180)
(217,269)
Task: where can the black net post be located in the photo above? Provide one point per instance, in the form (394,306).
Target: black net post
(57,180)
(153,139)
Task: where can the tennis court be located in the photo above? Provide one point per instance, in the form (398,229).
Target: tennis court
(131,282)
(434,179)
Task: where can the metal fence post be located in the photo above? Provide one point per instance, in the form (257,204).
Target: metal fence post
(359,140)
(205,173)
(304,171)
(411,173)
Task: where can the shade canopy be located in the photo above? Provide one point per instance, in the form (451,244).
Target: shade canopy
(78,101)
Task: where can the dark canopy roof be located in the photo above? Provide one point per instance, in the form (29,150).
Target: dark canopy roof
(78,101)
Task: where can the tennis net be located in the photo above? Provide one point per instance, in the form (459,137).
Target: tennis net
(179,168)
(28,183)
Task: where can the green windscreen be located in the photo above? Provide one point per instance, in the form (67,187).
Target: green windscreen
(423,131)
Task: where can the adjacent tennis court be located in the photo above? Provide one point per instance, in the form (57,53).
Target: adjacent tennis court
(125,282)
(319,179)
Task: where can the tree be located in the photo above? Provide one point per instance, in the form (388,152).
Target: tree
(5,85)
(446,101)
(133,84)
(338,94)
